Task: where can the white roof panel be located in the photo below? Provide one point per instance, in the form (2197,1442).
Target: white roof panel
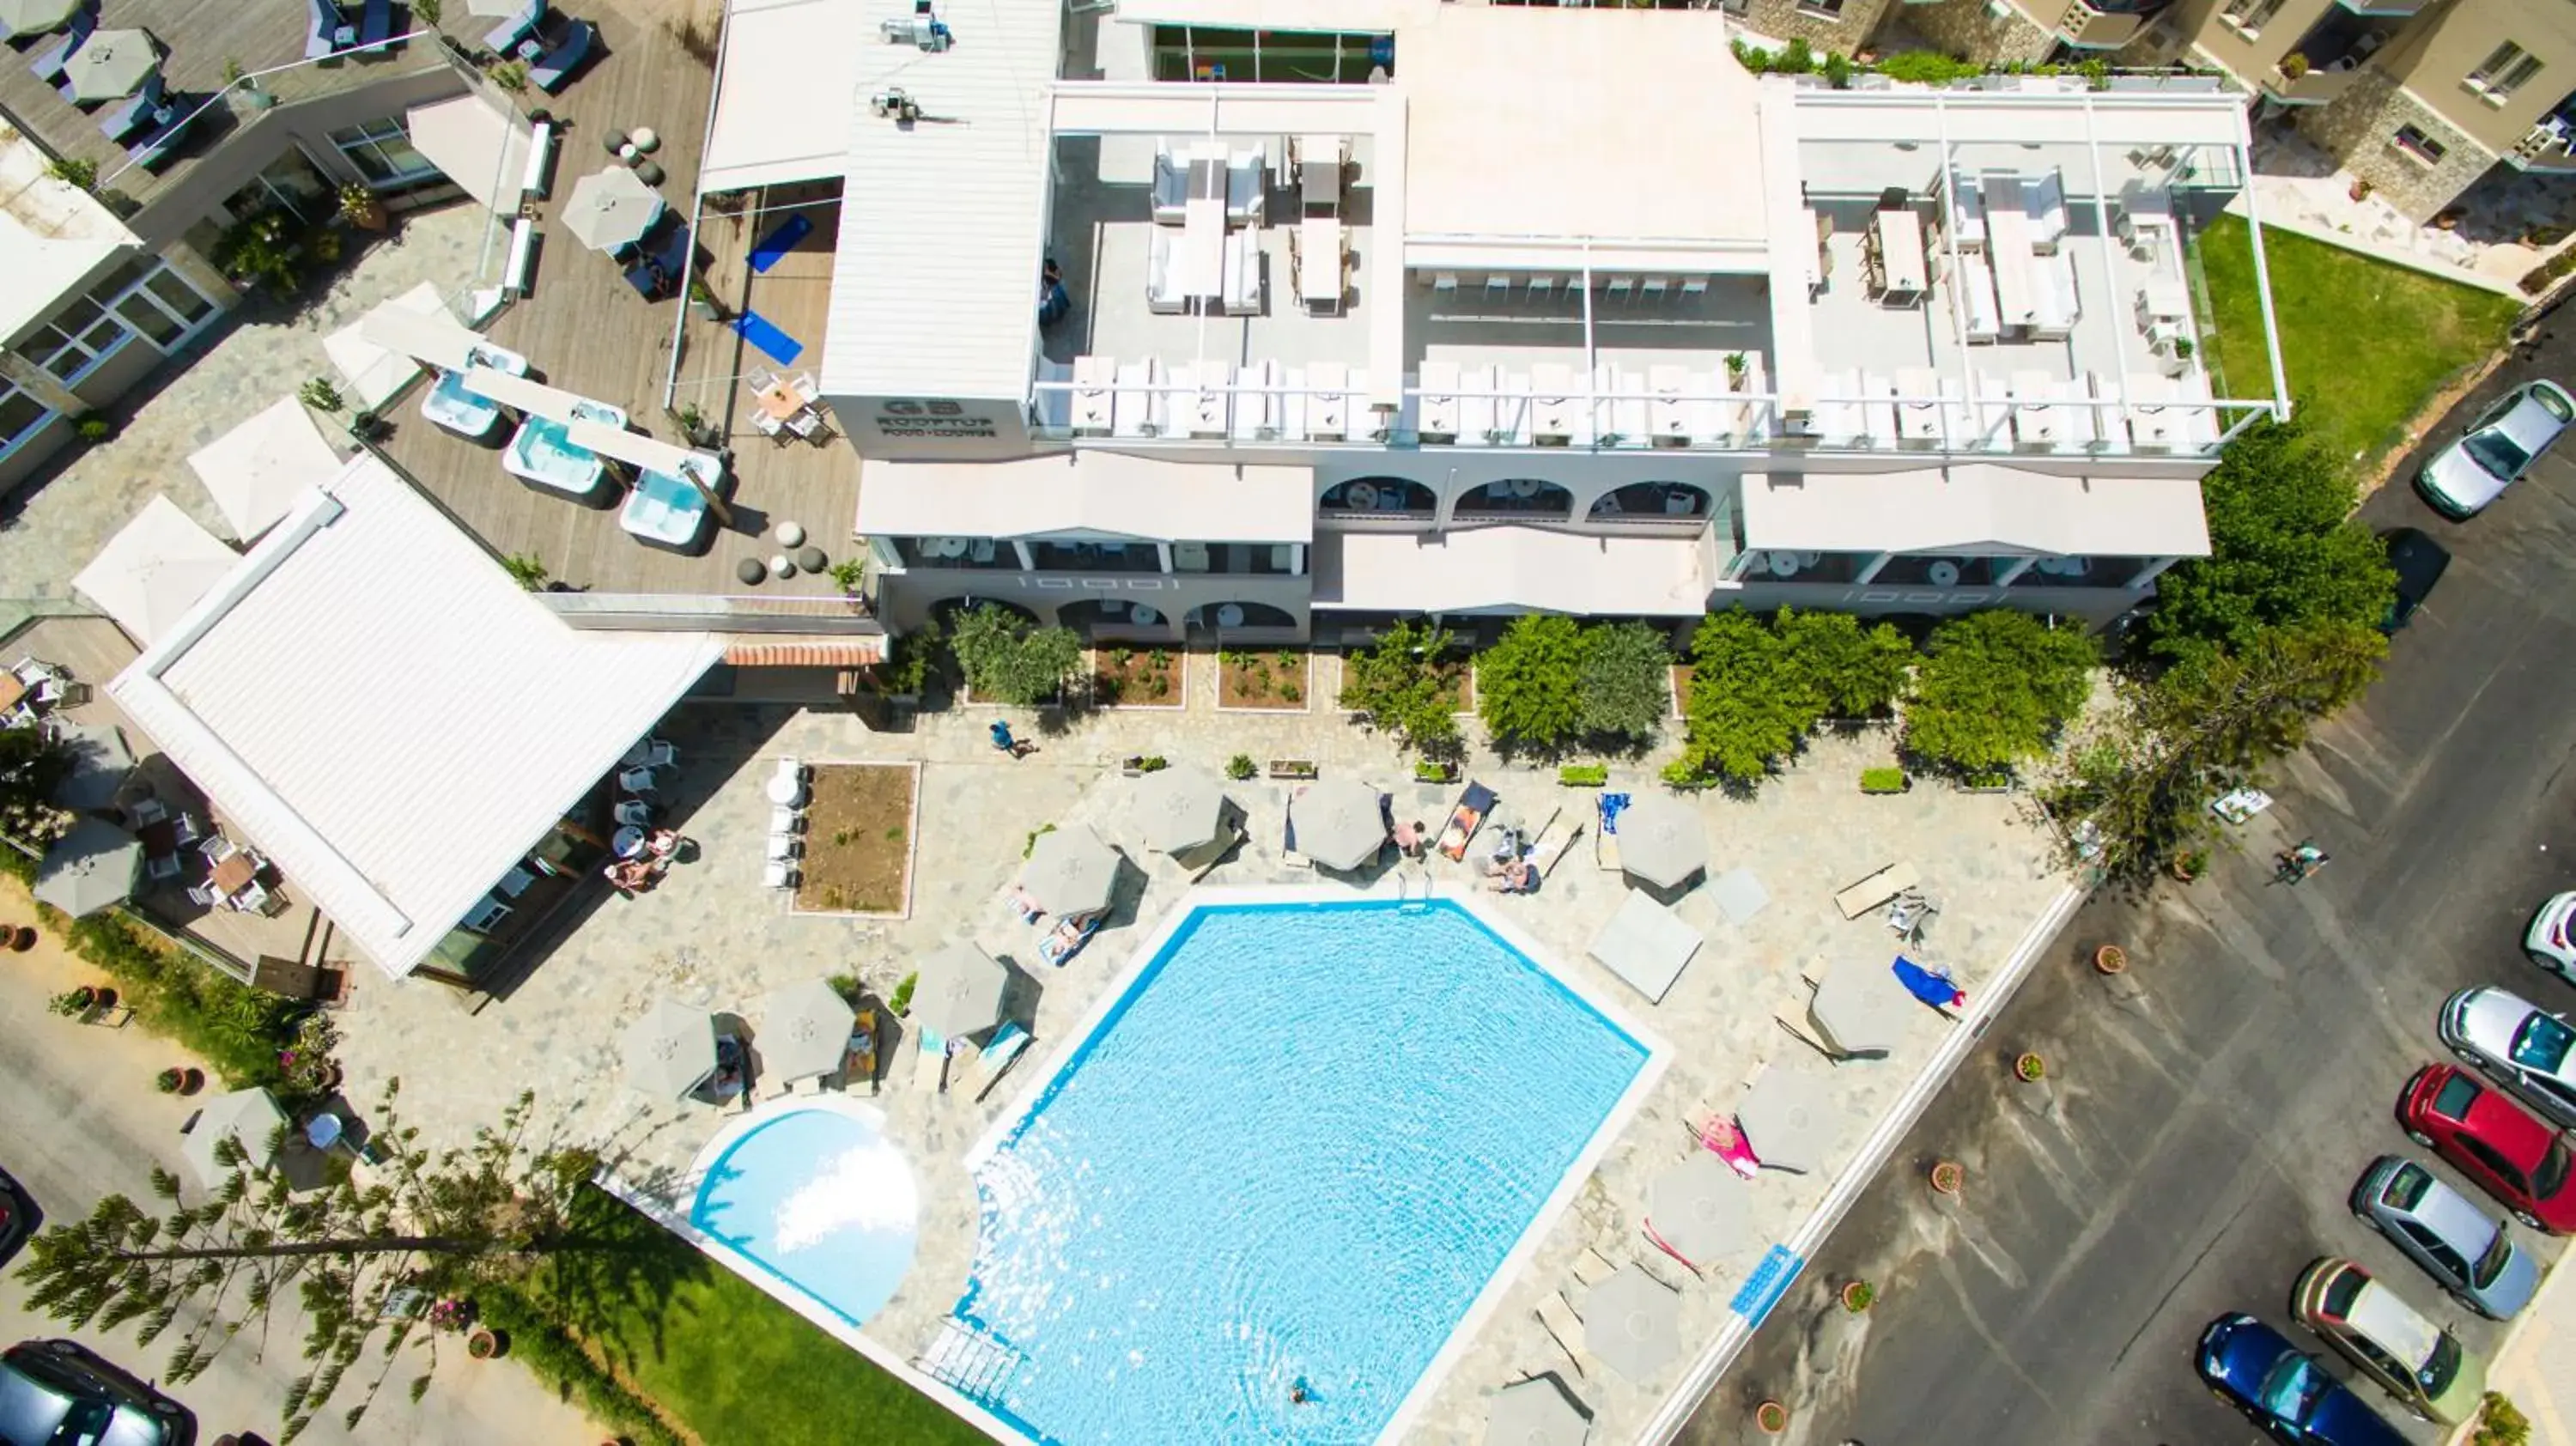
(1510,568)
(2115,119)
(1089,491)
(787,64)
(374,704)
(1976,507)
(935,278)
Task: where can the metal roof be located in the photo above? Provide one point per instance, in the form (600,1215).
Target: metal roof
(1088,493)
(1976,507)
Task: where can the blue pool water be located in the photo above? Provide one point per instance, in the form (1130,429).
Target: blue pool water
(1296,1150)
(820,1200)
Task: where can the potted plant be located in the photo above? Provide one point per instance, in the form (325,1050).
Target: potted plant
(1427,771)
(17,938)
(2111,959)
(320,395)
(850,575)
(2190,864)
(76,1002)
(1300,770)
(2360,190)
(1771,1418)
(483,1343)
(361,207)
(1241,767)
(92,428)
(253,94)
(2293,66)
(1858,1296)
(367,427)
(694,426)
(1884,780)
(1738,366)
(1948,1176)
(525,569)
(168,1081)
(2030,1068)
(702,301)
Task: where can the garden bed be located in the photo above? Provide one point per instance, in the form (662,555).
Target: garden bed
(1125,677)
(1280,681)
(1681,690)
(858,840)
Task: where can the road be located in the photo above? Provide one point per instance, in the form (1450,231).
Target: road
(2207,1113)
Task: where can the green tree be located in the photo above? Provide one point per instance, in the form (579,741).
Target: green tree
(1750,704)
(1857,671)
(32,764)
(1396,682)
(1627,684)
(1995,688)
(2284,550)
(1008,659)
(1529,684)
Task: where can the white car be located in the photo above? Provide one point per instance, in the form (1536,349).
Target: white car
(2461,479)
(2551,940)
(2527,1049)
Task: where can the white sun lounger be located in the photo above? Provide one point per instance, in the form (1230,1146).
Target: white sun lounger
(930,1069)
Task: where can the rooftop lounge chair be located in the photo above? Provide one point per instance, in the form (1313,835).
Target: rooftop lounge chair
(553,70)
(154,148)
(930,1070)
(1000,1051)
(376,24)
(323,23)
(1058,947)
(50,65)
(859,1065)
(1465,819)
(506,36)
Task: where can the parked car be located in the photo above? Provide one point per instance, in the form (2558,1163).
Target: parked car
(2520,1045)
(2440,1229)
(15,1216)
(2418,561)
(2282,1389)
(57,1392)
(2551,939)
(2493,1141)
(2394,1344)
(2461,479)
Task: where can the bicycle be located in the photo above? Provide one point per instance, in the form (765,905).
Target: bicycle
(2294,864)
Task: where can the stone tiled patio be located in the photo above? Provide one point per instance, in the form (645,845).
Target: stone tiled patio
(712,936)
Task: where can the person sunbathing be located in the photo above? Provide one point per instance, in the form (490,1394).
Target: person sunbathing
(1518,876)
(1025,904)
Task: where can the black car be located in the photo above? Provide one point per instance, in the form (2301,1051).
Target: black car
(2418,562)
(60,1391)
(16,1217)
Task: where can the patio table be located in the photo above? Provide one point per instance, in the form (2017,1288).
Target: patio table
(780,401)
(13,691)
(235,873)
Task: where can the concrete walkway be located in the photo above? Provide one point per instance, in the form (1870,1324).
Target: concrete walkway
(2534,1369)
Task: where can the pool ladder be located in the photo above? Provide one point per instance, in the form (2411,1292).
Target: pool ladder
(1406,876)
(973,1360)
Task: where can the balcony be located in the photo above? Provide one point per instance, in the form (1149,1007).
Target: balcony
(2084,27)
(2309,87)
(2549,148)
(2384,9)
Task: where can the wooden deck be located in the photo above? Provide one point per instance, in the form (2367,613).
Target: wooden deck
(585,330)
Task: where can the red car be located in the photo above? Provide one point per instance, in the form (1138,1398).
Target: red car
(2490,1139)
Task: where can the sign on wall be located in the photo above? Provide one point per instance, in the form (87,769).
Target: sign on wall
(934,421)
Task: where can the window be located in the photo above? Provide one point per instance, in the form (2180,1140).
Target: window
(382,152)
(2250,16)
(2504,72)
(2412,141)
(2496,1164)
(21,417)
(79,337)
(1832,8)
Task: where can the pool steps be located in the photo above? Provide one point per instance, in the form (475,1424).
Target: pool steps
(977,1363)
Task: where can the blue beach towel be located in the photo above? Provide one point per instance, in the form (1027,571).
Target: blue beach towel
(777,345)
(1933,987)
(781,240)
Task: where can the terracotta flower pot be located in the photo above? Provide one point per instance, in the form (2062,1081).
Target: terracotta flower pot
(1858,1296)
(1948,1176)
(1771,1418)
(2111,959)
(483,1343)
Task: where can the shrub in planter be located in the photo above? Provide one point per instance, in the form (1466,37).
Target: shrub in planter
(483,1343)
(901,999)
(1426,771)
(1241,767)
(1948,1176)
(169,1081)
(73,1002)
(1858,1296)
(1884,780)
(2030,1068)
(1584,775)
(1771,1418)
(2111,959)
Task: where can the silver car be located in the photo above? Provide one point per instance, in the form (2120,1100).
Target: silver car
(2457,1243)
(2461,479)
(2551,939)
(2519,1045)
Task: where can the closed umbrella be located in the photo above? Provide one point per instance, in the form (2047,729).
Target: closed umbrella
(1535,1412)
(959,990)
(1662,841)
(1788,1119)
(113,63)
(35,17)
(611,208)
(804,1030)
(1340,822)
(1070,871)
(250,1116)
(670,1050)
(1860,1008)
(1632,1321)
(1697,1207)
(89,869)
(100,761)
(1179,809)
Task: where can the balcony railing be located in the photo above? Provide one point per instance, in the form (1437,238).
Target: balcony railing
(2395,9)
(2311,87)
(2085,28)
(693,612)
(2549,146)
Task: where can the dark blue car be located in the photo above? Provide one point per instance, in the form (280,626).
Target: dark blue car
(2283,1390)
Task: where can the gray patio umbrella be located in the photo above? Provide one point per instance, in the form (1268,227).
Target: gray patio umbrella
(670,1050)
(35,17)
(1179,809)
(1697,1207)
(804,1030)
(959,991)
(1789,1119)
(100,761)
(1860,1008)
(1535,1412)
(113,63)
(1341,822)
(611,208)
(1662,841)
(250,1116)
(89,869)
(1070,871)
(1633,1322)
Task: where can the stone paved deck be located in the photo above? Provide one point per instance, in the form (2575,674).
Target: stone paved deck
(712,936)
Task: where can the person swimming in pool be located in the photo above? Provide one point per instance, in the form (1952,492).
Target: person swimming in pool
(1298,1395)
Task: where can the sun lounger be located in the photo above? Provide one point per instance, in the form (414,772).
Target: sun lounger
(153,149)
(1566,1329)
(930,1069)
(1056,949)
(1605,838)
(1288,841)
(506,36)
(375,24)
(1005,1046)
(322,25)
(50,65)
(1546,857)
(1465,819)
(1877,889)
(859,1064)
(554,69)
(781,239)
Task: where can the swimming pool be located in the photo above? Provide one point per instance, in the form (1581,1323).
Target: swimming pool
(815,1196)
(1294,1150)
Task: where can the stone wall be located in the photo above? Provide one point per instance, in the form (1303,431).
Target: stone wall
(1967,27)
(1790,20)
(2358,130)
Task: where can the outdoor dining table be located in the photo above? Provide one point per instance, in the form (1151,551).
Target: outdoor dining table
(13,691)
(235,873)
(781,401)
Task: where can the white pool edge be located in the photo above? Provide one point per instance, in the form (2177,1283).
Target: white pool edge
(1507,1271)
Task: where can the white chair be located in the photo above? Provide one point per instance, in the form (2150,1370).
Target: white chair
(636,780)
(658,754)
(205,895)
(769,426)
(488,911)
(634,812)
(165,866)
(1622,289)
(147,811)
(516,882)
(785,846)
(778,874)
(253,899)
(1656,289)
(1542,290)
(218,848)
(1498,290)
(786,820)
(188,829)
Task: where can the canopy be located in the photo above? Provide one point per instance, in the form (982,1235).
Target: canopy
(536,399)
(1179,809)
(634,448)
(437,340)
(1788,1119)
(1632,1321)
(1070,871)
(110,64)
(1535,1412)
(250,1116)
(1662,841)
(478,146)
(35,17)
(1645,944)
(89,869)
(257,470)
(100,761)
(670,1050)
(959,990)
(153,571)
(1697,1208)
(374,374)
(611,208)
(804,1030)
(1860,1008)
(1340,822)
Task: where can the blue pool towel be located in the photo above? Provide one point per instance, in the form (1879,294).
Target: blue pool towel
(778,345)
(780,241)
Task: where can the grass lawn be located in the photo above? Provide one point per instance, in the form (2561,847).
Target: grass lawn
(2365,344)
(726,1361)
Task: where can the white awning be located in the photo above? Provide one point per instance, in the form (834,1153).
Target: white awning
(1510,569)
(1087,493)
(634,448)
(154,570)
(438,340)
(373,372)
(534,398)
(782,107)
(1976,508)
(257,470)
(479,147)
